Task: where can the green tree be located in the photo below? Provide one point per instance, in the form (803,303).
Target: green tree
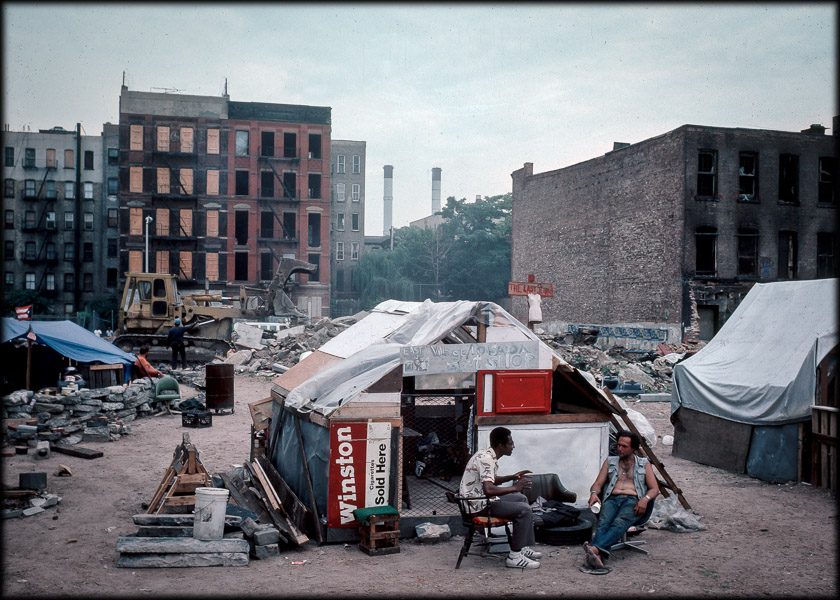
(15,298)
(378,277)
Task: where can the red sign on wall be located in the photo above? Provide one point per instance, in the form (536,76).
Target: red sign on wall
(521,288)
(360,467)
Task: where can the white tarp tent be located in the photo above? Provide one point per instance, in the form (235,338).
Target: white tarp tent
(760,367)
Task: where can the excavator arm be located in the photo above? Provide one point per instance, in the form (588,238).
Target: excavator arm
(276,298)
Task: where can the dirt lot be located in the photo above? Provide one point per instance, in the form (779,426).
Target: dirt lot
(762,539)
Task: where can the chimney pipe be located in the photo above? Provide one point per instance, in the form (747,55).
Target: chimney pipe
(435,190)
(388,199)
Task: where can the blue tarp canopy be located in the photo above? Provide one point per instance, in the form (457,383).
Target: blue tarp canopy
(68,339)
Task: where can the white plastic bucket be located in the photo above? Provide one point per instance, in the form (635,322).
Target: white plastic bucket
(210,509)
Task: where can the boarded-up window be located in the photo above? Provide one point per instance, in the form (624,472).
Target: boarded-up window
(212,141)
(185,265)
(163,138)
(68,160)
(50,157)
(135,261)
(162,221)
(162,180)
(136,142)
(186,139)
(211,266)
(162,263)
(186,181)
(135,221)
(212,182)
(186,222)
(135,180)
(212,223)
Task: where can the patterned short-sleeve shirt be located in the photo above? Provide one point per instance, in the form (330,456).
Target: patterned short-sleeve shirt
(483,466)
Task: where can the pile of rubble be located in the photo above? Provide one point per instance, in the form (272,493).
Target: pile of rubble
(653,370)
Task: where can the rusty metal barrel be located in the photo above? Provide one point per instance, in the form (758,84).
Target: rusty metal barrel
(218,381)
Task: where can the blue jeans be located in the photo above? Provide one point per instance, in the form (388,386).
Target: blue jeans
(615,518)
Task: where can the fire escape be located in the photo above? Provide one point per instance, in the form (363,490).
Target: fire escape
(43,226)
(267,199)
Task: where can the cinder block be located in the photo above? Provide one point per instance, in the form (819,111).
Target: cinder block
(264,537)
(266,551)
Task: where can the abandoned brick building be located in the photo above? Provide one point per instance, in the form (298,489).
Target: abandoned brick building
(228,189)
(659,240)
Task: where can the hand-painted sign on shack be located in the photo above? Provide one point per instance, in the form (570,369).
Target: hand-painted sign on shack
(469,358)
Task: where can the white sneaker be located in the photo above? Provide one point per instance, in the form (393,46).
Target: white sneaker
(521,562)
(532,554)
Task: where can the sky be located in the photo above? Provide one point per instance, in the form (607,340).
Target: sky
(474,89)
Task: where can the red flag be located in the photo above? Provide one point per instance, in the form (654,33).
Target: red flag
(24,313)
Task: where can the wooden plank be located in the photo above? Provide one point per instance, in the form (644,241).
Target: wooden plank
(294,529)
(179,501)
(146,545)
(313,505)
(825,477)
(77,451)
(163,487)
(167,531)
(178,520)
(537,419)
(19,493)
(211,559)
(292,506)
(279,520)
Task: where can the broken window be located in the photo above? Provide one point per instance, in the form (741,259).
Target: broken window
(211,266)
(162,261)
(240,266)
(290,145)
(87,252)
(135,180)
(826,260)
(266,224)
(212,141)
(136,142)
(706,173)
(242,143)
(212,182)
(266,272)
(135,221)
(789,178)
(314,237)
(354,222)
(113,247)
(51,224)
(748,252)
(315,259)
(826,180)
(212,223)
(88,160)
(314,186)
(747,176)
(289,185)
(339,221)
(266,184)
(314,145)
(162,221)
(162,180)
(111,278)
(354,250)
(339,250)
(289,225)
(242,183)
(241,230)
(339,192)
(787,255)
(267,143)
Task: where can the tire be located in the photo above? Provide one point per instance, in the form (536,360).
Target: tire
(575,534)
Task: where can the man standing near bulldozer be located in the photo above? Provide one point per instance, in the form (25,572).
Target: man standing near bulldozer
(175,340)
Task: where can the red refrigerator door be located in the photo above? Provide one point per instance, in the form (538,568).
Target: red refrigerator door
(523,392)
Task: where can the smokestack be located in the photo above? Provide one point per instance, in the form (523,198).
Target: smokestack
(435,190)
(388,199)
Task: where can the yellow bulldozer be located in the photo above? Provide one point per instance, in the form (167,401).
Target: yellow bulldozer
(151,302)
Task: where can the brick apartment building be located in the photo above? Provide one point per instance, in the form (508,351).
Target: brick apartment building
(60,227)
(660,240)
(347,231)
(231,188)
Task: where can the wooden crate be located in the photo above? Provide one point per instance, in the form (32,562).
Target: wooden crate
(824,446)
(100,376)
(380,535)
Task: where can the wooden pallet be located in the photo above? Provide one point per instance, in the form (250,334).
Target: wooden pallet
(182,477)
(380,535)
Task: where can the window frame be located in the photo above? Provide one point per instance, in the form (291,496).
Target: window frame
(743,235)
(357,163)
(789,177)
(340,166)
(354,250)
(242,141)
(708,177)
(356,192)
(339,250)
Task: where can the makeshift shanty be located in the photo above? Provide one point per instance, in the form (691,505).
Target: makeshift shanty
(388,412)
(745,402)
(56,343)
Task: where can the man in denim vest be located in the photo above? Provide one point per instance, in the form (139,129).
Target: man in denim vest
(630,486)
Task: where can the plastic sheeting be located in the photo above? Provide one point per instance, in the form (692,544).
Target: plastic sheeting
(428,323)
(760,368)
(68,339)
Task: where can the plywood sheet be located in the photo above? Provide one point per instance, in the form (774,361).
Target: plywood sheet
(311,365)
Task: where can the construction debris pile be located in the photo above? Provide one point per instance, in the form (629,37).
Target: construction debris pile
(652,370)
(98,415)
(29,498)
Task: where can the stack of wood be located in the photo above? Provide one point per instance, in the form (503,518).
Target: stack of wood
(176,491)
(156,546)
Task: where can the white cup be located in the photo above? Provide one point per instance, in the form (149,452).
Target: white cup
(595,508)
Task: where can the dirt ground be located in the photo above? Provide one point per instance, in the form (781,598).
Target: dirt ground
(762,538)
